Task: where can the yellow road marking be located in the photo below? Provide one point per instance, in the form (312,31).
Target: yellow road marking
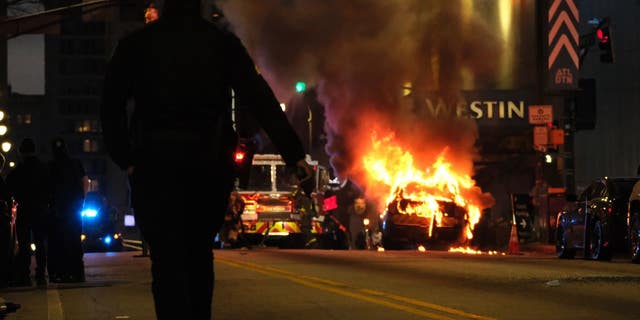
(54,305)
(372,296)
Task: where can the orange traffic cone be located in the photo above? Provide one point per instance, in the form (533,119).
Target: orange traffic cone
(514,246)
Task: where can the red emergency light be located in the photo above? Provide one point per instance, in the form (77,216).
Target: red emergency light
(239,157)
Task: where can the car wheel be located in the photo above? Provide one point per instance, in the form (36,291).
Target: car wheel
(562,249)
(596,248)
(635,240)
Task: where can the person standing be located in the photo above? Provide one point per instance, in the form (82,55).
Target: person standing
(69,186)
(357,214)
(28,183)
(178,145)
(7,237)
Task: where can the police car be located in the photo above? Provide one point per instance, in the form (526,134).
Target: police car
(99,232)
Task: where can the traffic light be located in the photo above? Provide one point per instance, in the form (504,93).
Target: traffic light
(243,158)
(603,34)
(301,86)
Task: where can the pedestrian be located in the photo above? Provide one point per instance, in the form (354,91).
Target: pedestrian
(7,237)
(178,146)
(28,183)
(69,186)
(357,213)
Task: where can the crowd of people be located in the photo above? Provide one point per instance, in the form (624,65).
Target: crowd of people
(49,197)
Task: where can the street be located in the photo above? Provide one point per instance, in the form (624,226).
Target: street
(268,283)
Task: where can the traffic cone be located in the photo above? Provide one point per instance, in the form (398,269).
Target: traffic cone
(514,246)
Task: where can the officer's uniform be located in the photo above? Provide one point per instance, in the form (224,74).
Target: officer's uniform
(180,71)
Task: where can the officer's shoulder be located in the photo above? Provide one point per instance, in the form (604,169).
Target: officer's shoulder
(220,30)
(138,34)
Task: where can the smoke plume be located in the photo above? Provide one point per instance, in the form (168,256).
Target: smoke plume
(360,54)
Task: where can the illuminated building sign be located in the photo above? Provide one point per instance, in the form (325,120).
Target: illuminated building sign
(488,107)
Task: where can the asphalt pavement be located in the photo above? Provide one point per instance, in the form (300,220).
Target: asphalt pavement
(117,287)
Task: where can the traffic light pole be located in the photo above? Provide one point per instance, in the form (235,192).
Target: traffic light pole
(567,149)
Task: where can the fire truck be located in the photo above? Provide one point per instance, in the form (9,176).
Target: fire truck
(276,213)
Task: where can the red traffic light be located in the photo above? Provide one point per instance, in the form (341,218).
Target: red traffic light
(603,35)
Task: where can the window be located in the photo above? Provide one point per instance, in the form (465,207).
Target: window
(66,46)
(86,125)
(89,145)
(94,185)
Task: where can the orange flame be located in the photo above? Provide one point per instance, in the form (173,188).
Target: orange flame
(150,13)
(389,164)
(468,250)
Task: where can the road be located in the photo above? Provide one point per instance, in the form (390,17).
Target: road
(322,284)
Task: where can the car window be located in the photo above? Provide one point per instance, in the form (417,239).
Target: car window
(260,178)
(283,179)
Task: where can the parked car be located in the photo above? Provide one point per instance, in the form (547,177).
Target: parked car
(598,223)
(634,223)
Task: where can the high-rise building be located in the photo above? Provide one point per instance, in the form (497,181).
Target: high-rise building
(74,69)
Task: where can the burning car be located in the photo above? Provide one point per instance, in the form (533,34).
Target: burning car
(436,204)
(409,223)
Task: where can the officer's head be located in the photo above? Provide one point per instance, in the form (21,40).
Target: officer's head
(176,8)
(27,147)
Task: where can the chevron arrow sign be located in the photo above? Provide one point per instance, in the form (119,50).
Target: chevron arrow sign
(563,43)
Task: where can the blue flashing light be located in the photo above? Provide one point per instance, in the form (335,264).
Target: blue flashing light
(89,213)
(107,240)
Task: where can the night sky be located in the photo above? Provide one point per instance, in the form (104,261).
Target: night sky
(25,60)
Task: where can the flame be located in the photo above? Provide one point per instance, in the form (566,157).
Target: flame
(150,13)
(423,190)
(468,250)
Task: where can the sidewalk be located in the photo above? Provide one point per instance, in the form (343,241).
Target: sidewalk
(118,286)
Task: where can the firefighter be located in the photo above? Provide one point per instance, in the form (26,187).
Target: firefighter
(179,71)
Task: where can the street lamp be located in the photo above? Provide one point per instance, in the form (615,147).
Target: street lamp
(3,130)
(6,146)
(1,115)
